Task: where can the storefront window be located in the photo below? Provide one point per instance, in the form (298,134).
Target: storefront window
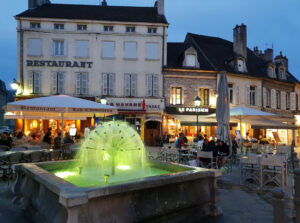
(204,95)
(176,97)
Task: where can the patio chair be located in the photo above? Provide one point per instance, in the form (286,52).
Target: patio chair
(250,169)
(6,164)
(4,148)
(55,154)
(272,171)
(36,156)
(209,156)
(171,155)
(66,151)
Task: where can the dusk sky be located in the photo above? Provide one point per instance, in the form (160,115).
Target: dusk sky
(269,23)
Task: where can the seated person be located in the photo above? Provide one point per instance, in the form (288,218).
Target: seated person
(4,141)
(180,141)
(57,141)
(200,141)
(209,147)
(68,139)
(20,139)
(223,150)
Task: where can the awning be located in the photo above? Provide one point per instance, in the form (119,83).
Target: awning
(269,124)
(191,120)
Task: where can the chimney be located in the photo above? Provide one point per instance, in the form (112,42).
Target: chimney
(256,51)
(36,3)
(268,55)
(282,61)
(104,3)
(160,6)
(240,41)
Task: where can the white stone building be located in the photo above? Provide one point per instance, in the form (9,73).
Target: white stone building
(93,51)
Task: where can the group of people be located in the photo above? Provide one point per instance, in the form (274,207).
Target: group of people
(220,150)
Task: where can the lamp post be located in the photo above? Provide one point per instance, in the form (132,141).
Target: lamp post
(16,86)
(197,103)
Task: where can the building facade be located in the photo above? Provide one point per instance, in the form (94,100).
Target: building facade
(95,51)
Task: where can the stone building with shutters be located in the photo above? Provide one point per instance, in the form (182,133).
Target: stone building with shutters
(256,80)
(91,51)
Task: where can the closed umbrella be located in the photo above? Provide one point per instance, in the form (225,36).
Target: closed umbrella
(223,111)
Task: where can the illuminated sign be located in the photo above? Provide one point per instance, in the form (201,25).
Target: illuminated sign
(181,110)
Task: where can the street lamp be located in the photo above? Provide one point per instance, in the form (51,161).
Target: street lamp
(16,86)
(197,103)
(103,100)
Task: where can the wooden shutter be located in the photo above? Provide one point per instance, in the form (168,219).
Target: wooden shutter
(127,84)
(258,96)
(133,84)
(247,95)
(111,84)
(293,101)
(104,84)
(149,85)
(273,98)
(78,83)
(54,83)
(155,85)
(283,100)
(264,97)
(65,48)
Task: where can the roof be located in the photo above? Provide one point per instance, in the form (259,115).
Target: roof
(215,54)
(95,12)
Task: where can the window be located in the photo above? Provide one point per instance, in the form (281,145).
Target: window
(108,84)
(130,85)
(130,50)
(268,98)
(191,60)
(82,48)
(240,65)
(82,83)
(58,47)
(152,85)
(58,83)
(281,74)
(108,49)
(278,100)
(82,27)
(35,47)
(271,72)
(35,25)
(252,95)
(230,93)
(130,29)
(34,82)
(288,101)
(204,95)
(152,51)
(59,26)
(108,28)
(176,96)
(152,30)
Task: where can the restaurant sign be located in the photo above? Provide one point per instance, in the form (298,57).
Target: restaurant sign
(137,104)
(54,63)
(193,110)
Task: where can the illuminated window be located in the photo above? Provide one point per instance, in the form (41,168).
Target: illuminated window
(176,96)
(204,95)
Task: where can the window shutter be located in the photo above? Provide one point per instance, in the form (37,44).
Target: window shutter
(61,82)
(84,83)
(273,98)
(283,100)
(30,82)
(155,85)
(248,95)
(54,83)
(104,84)
(65,48)
(111,84)
(37,82)
(133,84)
(293,101)
(264,97)
(149,85)
(130,50)
(237,94)
(35,47)
(51,51)
(258,96)
(78,83)
(127,84)
(152,51)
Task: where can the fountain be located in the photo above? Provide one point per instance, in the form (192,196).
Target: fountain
(111,181)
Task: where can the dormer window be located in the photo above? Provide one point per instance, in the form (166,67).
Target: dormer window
(191,60)
(240,66)
(282,74)
(271,72)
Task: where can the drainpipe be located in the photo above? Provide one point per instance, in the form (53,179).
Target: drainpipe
(21,55)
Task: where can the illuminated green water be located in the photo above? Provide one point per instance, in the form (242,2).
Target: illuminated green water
(91,177)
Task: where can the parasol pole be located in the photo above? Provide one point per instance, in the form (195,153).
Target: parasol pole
(62,127)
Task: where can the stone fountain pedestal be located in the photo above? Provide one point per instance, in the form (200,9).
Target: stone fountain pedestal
(186,196)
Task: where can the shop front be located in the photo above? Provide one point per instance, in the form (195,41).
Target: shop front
(145,115)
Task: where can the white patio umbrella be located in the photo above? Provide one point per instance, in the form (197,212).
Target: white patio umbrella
(59,107)
(222,111)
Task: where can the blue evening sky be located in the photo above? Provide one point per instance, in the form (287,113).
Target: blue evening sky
(269,22)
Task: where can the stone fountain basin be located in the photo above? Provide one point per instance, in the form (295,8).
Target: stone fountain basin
(184,196)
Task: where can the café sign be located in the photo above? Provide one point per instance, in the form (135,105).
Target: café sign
(193,110)
(137,104)
(54,63)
